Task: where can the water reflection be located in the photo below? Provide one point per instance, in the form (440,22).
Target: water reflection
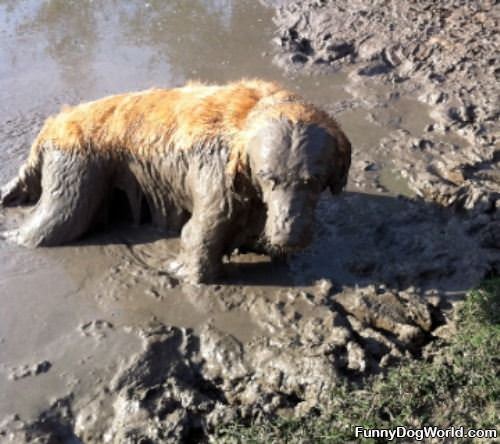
(69,30)
(213,40)
(66,50)
(89,48)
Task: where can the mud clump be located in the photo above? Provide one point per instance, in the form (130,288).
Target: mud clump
(26,371)
(184,384)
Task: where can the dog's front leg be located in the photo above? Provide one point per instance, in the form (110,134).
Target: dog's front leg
(207,234)
(203,242)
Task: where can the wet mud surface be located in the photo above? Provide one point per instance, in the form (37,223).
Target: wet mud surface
(99,344)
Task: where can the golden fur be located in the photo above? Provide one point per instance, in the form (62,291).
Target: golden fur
(146,123)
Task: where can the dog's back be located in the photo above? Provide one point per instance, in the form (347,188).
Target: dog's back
(143,122)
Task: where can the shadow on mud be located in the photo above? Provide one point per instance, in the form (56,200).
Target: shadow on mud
(363,239)
(360,240)
(368,239)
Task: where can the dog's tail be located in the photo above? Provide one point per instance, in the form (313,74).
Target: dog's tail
(26,186)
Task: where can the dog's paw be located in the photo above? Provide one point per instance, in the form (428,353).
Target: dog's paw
(177,269)
(186,273)
(18,237)
(174,266)
(11,193)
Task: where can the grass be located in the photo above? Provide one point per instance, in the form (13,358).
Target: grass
(458,385)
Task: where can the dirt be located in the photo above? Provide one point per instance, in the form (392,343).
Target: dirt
(99,344)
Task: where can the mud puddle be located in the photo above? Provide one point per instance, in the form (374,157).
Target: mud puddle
(100,327)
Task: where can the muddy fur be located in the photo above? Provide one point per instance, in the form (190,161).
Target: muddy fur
(235,166)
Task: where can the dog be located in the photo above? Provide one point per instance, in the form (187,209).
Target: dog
(235,166)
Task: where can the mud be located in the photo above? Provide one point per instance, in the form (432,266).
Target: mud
(133,354)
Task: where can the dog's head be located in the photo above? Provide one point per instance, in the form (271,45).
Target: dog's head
(291,164)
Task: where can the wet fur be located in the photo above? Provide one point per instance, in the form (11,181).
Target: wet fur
(186,151)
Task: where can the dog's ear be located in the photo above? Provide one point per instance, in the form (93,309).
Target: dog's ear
(341,163)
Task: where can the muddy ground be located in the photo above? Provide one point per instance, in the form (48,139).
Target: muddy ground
(99,344)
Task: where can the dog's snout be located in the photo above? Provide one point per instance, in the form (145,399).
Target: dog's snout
(290,231)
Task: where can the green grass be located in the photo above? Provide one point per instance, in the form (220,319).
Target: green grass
(458,385)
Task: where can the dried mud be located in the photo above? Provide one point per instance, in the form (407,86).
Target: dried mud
(99,344)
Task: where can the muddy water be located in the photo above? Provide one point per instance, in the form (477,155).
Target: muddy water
(79,307)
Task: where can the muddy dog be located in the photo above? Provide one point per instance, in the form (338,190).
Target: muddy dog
(234,166)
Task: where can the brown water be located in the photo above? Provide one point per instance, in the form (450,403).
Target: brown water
(58,51)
